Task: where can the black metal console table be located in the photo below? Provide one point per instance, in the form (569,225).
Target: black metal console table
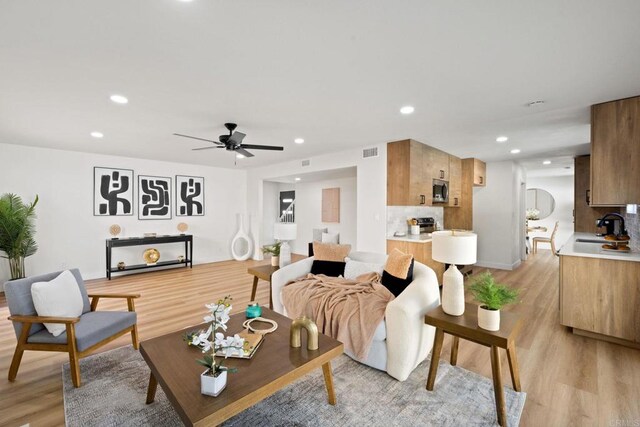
(140,241)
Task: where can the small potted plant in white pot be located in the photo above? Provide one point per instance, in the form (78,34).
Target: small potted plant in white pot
(492,297)
(214,379)
(274,250)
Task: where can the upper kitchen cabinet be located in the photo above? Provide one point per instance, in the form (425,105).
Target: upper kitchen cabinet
(407,184)
(455,181)
(436,163)
(615,152)
(479,173)
(585,216)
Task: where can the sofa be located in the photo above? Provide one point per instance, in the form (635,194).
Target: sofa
(402,340)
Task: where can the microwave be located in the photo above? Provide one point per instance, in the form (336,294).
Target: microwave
(440,191)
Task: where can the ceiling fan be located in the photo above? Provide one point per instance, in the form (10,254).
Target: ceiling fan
(233,142)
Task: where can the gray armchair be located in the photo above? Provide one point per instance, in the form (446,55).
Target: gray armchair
(83,335)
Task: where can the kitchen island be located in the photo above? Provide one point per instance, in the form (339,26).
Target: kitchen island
(600,290)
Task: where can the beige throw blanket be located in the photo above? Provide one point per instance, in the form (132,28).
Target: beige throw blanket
(347,310)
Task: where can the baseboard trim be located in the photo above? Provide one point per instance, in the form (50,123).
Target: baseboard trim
(608,338)
(498,266)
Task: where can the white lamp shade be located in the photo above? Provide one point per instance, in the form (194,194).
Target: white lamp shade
(459,247)
(285,231)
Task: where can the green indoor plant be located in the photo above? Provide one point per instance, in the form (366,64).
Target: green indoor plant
(492,296)
(274,250)
(16,232)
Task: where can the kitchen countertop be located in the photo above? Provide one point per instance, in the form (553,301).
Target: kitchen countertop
(594,250)
(416,238)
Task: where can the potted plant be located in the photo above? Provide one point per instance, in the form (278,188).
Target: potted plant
(214,379)
(274,250)
(492,297)
(16,232)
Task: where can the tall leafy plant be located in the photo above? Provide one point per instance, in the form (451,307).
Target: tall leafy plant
(16,232)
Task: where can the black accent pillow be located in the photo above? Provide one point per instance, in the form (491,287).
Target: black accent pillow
(328,268)
(396,284)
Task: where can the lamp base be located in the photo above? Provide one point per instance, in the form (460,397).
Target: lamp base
(453,291)
(285,254)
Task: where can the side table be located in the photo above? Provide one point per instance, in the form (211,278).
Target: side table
(466,327)
(263,272)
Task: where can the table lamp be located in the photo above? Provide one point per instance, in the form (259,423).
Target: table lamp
(454,247)
(285,231)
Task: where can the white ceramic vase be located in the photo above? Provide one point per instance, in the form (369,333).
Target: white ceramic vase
(213,386)
(275,260)
(237,241)
(453,292)
(489,319)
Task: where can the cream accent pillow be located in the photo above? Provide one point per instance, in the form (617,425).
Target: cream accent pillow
(331,238)
(330,251)
(58,298)
(354,269)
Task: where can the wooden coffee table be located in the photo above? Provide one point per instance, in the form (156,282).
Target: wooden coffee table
(275,365)
(466,326)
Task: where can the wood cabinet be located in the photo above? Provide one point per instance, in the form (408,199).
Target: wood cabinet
(461,217)
(585,216)
(421,252)
(600,298)
(479,173)
(406,182)
(615,152)
(436,163)
(455,181)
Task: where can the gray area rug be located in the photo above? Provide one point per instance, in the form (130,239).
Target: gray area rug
(115,386)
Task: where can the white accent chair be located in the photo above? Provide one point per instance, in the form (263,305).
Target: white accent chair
(402,340)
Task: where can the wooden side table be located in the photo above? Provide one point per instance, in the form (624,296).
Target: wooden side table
(263,272)
(466,326)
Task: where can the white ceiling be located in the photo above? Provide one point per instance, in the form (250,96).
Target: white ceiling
(332,72)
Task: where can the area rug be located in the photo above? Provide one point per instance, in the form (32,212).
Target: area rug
(115,386)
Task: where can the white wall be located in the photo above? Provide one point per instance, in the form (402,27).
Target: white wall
(497,216)
(68,234)
(562,189)
(371,191)
(270,210)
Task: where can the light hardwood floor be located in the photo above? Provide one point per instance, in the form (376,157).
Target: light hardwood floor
(569,380)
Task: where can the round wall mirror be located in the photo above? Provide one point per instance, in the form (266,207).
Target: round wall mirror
(540,203)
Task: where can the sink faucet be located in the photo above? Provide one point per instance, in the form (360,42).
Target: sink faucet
(623,231)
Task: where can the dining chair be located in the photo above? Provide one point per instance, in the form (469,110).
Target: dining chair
(551,240)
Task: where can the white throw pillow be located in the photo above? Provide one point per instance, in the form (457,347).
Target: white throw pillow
(317,234)
(331,238)
(353,269)
(60,297)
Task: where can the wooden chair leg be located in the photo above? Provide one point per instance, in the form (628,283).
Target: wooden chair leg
(74,362)
(17,355)
(535,246)
(134,337)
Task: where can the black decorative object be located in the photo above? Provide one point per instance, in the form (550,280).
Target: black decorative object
(154,197)
(112,191)
(189,195)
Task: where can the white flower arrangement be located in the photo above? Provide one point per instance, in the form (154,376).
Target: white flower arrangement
(212,341)
(533,214)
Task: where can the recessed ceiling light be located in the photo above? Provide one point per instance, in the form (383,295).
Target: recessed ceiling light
(119,99)
(239,156)
(407,109)
(299,141)
(297,179)
(536,103)
(546,162)
(515,151)
(502,139)
(97,134)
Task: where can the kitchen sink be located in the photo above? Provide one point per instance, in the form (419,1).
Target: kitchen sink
(591,241)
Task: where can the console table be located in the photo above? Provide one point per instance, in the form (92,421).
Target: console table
(145,241)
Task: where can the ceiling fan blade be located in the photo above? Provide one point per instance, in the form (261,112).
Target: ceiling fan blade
(236,138)
(263,147)
(195,137)
(244,152)
(207,148)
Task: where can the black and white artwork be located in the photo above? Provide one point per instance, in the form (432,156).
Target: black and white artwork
(154,197)
(112,191)
(189,195)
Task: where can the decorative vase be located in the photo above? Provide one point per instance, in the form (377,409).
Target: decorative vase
(121,265)
(212,385)
(453,292)
(180,258)
(488,319)
(151,256)
(275,260)
(241,238)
